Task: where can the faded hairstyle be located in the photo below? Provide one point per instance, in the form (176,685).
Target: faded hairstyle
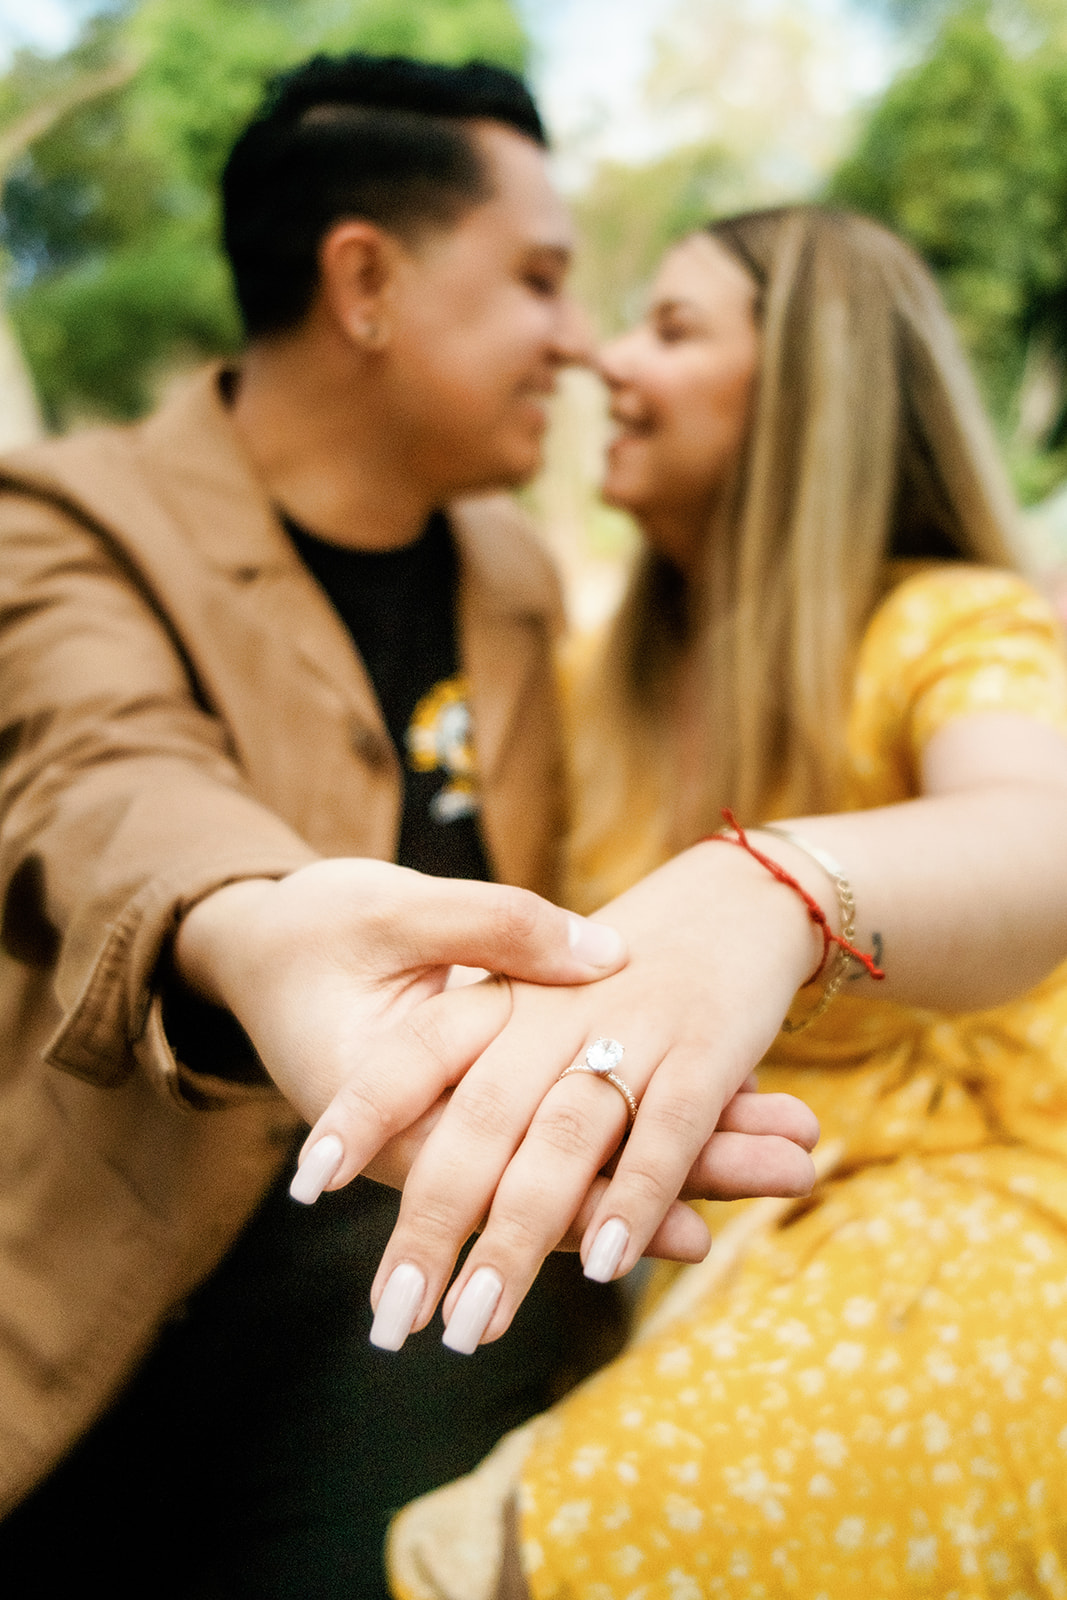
(381,138)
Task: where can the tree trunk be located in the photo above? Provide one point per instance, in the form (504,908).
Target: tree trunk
(20,414)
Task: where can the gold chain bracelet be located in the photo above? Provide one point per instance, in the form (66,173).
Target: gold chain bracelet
(846,901)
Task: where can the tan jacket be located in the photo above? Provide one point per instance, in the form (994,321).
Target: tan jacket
(180,706)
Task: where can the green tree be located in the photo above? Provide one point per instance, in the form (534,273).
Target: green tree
(966,157)
(110,218)
(29,108)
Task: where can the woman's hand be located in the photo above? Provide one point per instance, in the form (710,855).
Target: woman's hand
(759,1147)
(718,950)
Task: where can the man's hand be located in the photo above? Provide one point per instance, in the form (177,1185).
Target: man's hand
(319,965)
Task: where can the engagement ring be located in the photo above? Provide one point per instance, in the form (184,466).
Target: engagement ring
(601,1059)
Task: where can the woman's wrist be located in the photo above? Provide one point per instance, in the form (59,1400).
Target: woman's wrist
(787,936)
(838,943)
(818,880)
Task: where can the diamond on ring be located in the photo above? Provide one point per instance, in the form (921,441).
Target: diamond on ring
(603,1056)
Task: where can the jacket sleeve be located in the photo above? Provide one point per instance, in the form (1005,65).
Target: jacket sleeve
(121,803)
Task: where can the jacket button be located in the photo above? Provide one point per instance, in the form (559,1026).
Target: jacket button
(371,746)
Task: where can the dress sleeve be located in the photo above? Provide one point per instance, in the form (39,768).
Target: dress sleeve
(959,642)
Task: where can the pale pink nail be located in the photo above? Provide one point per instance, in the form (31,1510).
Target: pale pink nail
(609,1247)
(473,1310)
(594,943)
(398,1307)
(317,1167)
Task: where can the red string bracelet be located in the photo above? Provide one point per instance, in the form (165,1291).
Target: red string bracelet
(842,940)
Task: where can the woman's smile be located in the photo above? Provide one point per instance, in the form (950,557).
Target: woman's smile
(681,385)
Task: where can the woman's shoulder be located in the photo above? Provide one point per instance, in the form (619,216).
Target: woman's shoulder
(924,604)
(948,642)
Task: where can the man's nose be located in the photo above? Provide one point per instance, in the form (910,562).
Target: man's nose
(575,344)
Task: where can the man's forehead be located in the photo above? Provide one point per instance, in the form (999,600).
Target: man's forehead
(523,191)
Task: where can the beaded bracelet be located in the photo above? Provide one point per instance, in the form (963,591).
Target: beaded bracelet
(841,943)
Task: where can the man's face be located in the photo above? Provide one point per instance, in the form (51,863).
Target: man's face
(480,326)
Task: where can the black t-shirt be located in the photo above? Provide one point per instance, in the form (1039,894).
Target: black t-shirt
(400,608)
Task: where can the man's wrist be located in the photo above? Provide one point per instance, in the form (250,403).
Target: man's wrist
(211,939)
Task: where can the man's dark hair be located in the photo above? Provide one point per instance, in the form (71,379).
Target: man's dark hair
(382,138)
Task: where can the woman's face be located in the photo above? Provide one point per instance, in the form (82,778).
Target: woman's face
(681,386)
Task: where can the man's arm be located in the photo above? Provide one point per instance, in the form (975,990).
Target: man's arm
(125,816)
(120,800)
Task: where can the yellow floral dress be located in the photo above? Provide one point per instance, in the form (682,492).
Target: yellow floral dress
(874,1401)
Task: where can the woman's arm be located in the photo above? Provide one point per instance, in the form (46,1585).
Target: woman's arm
(966,888)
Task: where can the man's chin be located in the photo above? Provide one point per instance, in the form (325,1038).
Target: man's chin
(511,472)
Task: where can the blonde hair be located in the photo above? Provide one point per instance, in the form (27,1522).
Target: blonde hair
(867,441)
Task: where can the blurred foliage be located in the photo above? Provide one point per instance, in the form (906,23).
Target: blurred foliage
(747,97)
(966,157)
(439,30)
(628,216)
(109,222)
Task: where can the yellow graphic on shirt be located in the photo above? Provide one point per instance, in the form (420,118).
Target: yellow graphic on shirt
(441,735)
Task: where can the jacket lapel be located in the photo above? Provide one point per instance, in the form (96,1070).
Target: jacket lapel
(506,598)
(508,603)
(201,468)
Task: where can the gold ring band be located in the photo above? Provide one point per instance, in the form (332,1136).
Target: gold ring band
(608,1077)
(600,1061)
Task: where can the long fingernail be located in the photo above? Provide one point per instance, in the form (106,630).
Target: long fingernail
(316,1169)
(609,1247)
(398,1307)
(594,942)
(473,1310)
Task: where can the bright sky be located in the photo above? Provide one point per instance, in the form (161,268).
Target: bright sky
(48,24)
(592,56)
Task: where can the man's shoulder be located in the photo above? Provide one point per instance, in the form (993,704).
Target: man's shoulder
(175,481)
(98,472)
(505,557)
(58,467)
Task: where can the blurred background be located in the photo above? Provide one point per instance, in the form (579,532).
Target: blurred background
(947,119)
